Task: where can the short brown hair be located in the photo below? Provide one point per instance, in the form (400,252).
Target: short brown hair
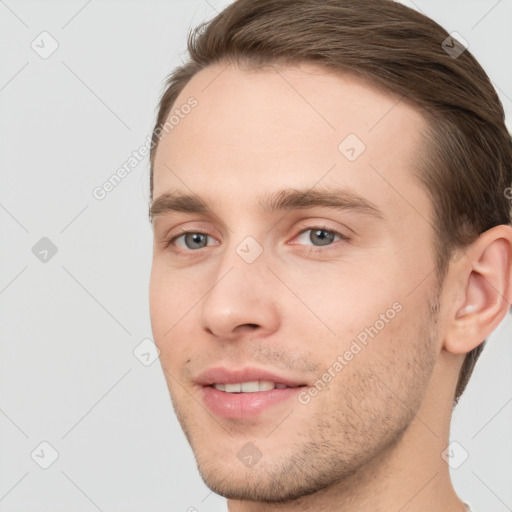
(466,162)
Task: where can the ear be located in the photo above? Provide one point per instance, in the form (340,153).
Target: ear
(483,278)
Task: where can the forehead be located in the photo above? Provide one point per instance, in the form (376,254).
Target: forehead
(288,126)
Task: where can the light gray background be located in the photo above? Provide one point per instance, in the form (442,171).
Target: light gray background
(69,326)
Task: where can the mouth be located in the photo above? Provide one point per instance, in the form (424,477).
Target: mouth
(245,393)
(251,386)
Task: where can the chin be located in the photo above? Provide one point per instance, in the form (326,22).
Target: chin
(253,484)
(280,478)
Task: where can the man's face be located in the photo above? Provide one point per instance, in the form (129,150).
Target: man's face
(309,294)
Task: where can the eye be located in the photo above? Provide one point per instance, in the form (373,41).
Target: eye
(315,237)
(190,240)
(320,236)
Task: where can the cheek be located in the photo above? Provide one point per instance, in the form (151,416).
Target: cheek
(345,298)
(169,298)
(171,302)
(159,302)
(164,309)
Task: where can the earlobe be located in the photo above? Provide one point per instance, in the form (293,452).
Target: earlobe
(485,278)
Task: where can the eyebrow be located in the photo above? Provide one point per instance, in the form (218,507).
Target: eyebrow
(282,200)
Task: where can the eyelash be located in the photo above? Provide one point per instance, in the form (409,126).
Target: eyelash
(308,248)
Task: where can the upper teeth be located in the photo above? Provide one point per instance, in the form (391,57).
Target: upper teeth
(250,387)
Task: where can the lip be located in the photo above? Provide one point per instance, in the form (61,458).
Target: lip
(221,375)
(243,405)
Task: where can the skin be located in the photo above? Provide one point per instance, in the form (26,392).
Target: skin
(372,439)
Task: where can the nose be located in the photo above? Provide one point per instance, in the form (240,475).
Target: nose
(242,300)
